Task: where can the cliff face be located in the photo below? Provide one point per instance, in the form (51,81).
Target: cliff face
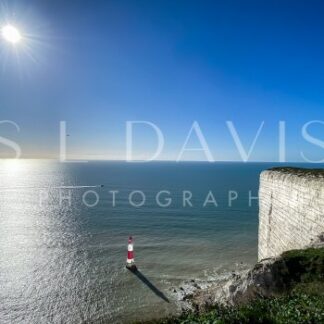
(291,211)
(291,247)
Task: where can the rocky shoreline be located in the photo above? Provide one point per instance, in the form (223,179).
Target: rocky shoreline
(269,278)
(194,293)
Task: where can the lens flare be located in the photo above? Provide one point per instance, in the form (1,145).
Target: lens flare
(11,34)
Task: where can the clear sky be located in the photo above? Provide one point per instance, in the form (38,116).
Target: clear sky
(98,64)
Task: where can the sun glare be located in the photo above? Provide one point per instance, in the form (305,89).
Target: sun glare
(11,34)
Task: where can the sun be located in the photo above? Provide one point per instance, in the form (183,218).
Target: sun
(11,34)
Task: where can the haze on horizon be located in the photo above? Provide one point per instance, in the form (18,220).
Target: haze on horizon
(97,65)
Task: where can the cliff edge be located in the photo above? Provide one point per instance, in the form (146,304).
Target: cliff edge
(287,284)
(291,209)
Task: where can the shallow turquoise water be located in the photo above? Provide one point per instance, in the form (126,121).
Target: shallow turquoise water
(65,262)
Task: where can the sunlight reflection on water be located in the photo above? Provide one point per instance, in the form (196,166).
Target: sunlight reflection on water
(61,263)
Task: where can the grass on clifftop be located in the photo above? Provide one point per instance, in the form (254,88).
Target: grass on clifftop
(300,171)
(301,273)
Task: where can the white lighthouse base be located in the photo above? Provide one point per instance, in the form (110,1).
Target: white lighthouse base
(131,266)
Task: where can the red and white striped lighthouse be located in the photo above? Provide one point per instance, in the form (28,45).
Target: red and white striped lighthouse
(130,262)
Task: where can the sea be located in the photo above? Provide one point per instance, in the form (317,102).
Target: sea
(64,229)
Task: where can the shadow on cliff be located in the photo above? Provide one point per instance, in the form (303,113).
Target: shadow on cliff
(149,284)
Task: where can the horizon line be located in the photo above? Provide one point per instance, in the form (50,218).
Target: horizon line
(84,160)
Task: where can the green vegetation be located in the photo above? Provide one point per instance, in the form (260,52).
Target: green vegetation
(297,267)
(300,171)
(300,280)
(303,265)
(293,308)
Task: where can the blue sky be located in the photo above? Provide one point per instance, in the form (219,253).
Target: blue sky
(98,64)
